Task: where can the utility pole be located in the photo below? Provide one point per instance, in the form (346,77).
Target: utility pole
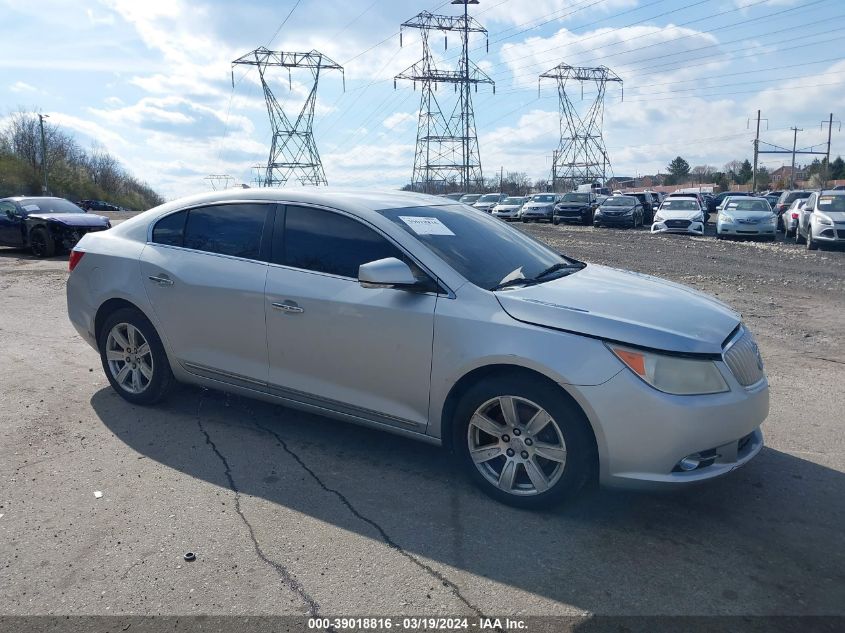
(501,178)
(554,170)
(827,160)
(293,151)
(446,139)
(44,190)
(795,131)
(756,153)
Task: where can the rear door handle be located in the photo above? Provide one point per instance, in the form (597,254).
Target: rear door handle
(289,307)
(161,281)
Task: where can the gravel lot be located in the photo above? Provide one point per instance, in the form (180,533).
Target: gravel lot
(290,512)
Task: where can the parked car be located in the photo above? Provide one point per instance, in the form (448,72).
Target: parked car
(45,225)
(453,196)
(508,209)
(791,216)
(620,211)
(488,201)
(539,373)
(705,213)
(745,216)
(98,205)
(772,199)
(720,198)
(679,215)
(541,206)
(649,202)
(822,219)
(785,201)
(469,198)
(576,207)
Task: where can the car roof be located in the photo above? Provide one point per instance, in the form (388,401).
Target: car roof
(19,198)
(693,198)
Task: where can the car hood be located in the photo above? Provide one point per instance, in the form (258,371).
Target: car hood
(836,216)
(627,307)
(538,205)
(71,219)
(680,214)
(507,207)
(573,205)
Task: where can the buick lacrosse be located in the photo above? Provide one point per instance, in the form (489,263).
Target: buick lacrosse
(423,317)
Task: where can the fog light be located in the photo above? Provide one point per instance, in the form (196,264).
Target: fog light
(690,462)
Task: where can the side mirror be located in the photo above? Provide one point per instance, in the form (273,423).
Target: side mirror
(386,273)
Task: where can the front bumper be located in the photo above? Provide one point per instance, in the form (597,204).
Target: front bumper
(643,433)
(572,215)
(740,229)
(536,214)
(507,215)
(613,220)
(690,227)
(829,234)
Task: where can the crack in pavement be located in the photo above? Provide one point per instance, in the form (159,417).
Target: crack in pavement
(286,577)
(454,589)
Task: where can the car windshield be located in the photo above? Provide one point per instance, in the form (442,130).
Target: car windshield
(48,205)
(484,250)
(749,205)
(835,204)
(543,198)
(576,197)
(619,201)
(470,197)
(512,201)
(490,197)
(675,204)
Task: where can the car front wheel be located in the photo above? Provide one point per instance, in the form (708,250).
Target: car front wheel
(41,243)
(134,359)
(811,243)
(523,442)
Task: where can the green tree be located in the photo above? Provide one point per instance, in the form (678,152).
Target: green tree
(764,178)
(678,171)
(722,182)
(837,168)
(745,173)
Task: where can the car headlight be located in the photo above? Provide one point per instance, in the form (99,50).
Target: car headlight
(676,375)
(823,219)
(724,217)
(772,220)
(658,217)
(598,212)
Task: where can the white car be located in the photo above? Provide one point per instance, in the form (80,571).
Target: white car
(679,215)
(508,209)
(792,215)
(822,220)
(746,216)
(488,201)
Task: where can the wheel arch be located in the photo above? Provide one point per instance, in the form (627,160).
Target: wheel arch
(108,308)
(501,369)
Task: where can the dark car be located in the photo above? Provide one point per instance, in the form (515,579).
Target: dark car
(620,211)
(650,203)
(721,197)
(98,205)
(45,225)
(576,207)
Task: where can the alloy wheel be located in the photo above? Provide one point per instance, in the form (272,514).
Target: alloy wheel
(37,243)
(516,445)
(129,358)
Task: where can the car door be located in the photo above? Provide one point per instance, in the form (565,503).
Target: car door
(204,272)
(11,224)
(805,213)
(334,344)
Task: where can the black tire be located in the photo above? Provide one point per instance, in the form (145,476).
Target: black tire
(162,380)
(525,220)
(556,221)
(41,243)
(812,245)
(574,427)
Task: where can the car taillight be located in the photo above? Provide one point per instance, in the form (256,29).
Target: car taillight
(794,215)
(75,258)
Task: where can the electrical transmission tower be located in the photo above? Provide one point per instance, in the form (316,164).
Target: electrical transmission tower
(293,152)
(220,182)
(447,144)
(581,156)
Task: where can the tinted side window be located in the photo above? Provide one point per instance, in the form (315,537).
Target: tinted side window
(330,243)
(170,229)
(231,229)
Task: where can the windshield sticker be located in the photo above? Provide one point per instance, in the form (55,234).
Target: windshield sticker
(425,226)
(825,200)
(31,207)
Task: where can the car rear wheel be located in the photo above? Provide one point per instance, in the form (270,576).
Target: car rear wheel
(134,359)
(41,243)
(523,442)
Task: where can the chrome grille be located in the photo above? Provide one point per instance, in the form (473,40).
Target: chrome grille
(743,358)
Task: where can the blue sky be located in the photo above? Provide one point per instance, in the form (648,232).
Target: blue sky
(151,80)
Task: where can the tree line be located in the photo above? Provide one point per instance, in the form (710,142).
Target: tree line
(742,172)
(73,172)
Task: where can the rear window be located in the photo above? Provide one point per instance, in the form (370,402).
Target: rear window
(170,229)
(231,229)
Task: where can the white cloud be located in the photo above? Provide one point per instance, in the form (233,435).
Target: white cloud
(20,86)
(397,120)
(528,11)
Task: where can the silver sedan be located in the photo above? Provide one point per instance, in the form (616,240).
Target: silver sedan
(420,316)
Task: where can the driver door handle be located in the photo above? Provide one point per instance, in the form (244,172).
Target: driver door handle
(289,308)
(161,281)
